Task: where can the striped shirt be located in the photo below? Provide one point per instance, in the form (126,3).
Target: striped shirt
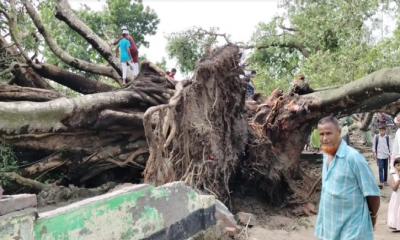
(343,209)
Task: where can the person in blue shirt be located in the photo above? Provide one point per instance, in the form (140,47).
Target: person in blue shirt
(350,195)
(124,53)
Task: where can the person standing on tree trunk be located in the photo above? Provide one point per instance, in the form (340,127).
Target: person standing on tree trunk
(125,55)
(350,196)
(133,50)
(381,150)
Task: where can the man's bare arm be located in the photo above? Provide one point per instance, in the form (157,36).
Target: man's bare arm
(117,41)
(373,206)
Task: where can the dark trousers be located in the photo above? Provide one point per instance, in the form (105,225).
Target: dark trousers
(383,169)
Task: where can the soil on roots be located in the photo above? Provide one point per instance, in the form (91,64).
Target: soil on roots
(207,127)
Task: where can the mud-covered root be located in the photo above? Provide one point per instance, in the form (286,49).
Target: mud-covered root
(199,135)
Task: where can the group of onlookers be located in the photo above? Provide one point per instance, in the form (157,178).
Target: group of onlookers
(387,156)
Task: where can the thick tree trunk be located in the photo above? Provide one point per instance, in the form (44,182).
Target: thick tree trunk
(15,93)
(102,132)
(74,81)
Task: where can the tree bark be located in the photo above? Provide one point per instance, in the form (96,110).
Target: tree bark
(71,80)
(15,93)
(391,109)
(102,132)
(366,121)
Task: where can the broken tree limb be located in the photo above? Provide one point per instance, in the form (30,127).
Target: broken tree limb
(50,162)
(17,93)
(71,80)
(27,182)
(25,77)
(351,97)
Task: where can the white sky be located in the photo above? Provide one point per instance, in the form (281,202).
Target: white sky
(235,17)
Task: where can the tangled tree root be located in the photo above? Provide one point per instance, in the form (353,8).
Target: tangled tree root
(207,138)
(198,137)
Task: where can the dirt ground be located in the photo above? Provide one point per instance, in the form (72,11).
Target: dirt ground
(280,227)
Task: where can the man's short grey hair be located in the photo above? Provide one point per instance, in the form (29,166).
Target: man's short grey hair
(329,119)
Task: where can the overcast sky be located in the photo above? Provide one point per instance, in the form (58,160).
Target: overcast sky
(235,17)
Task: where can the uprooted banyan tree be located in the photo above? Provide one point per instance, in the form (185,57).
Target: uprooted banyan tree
(201,131)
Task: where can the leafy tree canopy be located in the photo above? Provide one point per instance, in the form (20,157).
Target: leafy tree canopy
(188,46)
(331,42)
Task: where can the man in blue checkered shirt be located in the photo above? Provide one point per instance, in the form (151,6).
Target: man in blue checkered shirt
(350,196)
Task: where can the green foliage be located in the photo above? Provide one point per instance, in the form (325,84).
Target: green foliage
(187,47)
(8,163)
(140,20)
(328,41)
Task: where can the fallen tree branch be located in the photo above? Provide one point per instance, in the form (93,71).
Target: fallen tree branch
(391,108)
(65,56)
(27,182)
(16,93)
(71,80)
(43,165)
(65,13)
(371,92)
(25,77)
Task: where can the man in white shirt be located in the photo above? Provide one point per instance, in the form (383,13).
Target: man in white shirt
(381,150)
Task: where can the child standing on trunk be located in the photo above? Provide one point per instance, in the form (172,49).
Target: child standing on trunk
(394,204)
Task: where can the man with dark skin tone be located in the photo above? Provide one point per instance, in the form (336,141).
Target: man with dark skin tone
(350,196)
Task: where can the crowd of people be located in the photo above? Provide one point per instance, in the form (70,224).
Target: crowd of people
(350,196)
